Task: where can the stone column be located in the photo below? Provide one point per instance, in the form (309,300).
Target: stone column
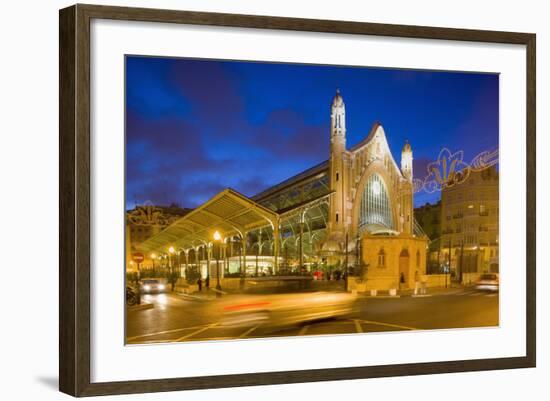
(301,247)
(208,257)
(276,246)
(244,238)
(186,262)
(197,261)
(224,256)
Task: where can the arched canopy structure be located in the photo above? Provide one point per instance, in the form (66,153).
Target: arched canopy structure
(228,212)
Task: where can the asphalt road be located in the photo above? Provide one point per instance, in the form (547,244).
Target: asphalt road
(176,318)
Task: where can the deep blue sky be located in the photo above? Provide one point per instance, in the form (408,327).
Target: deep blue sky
(195,127)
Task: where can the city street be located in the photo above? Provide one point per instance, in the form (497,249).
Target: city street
(177,318)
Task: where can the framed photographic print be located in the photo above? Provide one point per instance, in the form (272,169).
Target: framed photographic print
(250,200)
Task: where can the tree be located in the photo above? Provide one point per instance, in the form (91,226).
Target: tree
(172,277)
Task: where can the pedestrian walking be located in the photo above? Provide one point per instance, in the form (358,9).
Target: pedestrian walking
(207,282)
(199,283)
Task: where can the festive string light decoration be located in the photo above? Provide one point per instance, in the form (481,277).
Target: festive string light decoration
(484,160)
(418,185)
(450,169)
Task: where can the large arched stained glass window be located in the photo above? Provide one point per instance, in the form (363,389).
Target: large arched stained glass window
(375,205)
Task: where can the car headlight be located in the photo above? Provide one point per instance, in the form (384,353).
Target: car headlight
(161,286)
(146,287)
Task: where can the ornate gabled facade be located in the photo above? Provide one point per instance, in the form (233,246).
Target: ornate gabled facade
(369,192)
(371,202)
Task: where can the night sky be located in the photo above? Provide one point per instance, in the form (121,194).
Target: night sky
(195,127)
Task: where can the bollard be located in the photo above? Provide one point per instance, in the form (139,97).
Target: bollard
(423,288)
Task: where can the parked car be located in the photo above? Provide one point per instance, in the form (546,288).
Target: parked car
(488,282)
(152,285)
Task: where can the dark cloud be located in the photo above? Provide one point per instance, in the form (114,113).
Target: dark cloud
(214,97)
(285,134)
(165,158)
(253,185)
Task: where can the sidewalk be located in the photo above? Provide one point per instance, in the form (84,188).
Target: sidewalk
(201,296)
(409,292)
(140,307)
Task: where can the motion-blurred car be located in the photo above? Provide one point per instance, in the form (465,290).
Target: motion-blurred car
(288,306)
(488,282)
(151,286)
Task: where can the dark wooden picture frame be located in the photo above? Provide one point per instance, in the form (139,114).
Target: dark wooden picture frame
(74,204)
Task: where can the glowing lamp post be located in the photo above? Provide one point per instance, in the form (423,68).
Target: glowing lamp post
(218,239)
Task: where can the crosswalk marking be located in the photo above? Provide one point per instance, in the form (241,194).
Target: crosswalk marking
(476,294)
(161,332)
(250,330)
(389,325)
(197,332)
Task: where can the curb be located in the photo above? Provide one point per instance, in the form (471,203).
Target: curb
(143,306)
(195,297)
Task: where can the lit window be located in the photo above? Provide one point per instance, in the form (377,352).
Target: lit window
(375,207)
(381,258)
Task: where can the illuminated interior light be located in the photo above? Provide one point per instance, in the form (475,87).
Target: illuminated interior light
(376,188)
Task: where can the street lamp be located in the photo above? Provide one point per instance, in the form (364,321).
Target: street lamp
(153,257)
(218,239)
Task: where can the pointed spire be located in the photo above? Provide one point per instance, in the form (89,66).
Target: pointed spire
(407,146)
(337,100)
